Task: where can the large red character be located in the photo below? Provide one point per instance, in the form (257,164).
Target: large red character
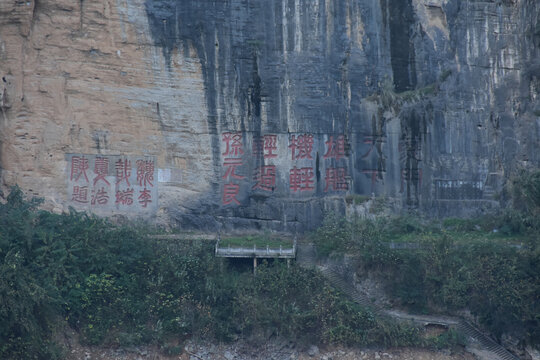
(336,178)
(232,160)
(372,141)
(336,149)
(79,165)
(301,179)
(302,146)
(101,168)
(80,194)
(101,197)
(233,144)
(145,197)
(266,146)
(124,197)
(145,172)
(231,164)
(375,176)
(123,171)
(265,178)
(230,191)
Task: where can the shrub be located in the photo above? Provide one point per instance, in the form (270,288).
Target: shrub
(459,267)
(115,286)
(333,236)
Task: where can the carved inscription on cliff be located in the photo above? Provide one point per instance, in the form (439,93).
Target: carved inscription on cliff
(112,183)
(296,165)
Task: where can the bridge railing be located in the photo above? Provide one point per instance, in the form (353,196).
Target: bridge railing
(255,252)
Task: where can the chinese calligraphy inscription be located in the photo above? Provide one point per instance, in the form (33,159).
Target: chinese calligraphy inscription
(112,183)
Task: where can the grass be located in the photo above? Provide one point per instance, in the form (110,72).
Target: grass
(451,265)
(357,199)
(460,231)
(459,237)
(416,94)
(379,204)
(259,241)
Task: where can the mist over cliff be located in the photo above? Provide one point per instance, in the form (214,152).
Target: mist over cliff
(268,114)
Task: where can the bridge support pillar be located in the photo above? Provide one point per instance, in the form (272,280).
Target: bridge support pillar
(254,266)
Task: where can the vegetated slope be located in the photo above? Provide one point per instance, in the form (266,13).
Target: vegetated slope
(114,286)
(487,265)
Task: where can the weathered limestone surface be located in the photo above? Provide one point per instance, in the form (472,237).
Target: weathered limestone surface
(437,101)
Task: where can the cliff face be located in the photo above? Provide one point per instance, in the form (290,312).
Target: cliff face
(267,113)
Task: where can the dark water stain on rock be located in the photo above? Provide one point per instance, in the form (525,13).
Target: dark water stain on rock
(275,66)
(299,66)
(398,16)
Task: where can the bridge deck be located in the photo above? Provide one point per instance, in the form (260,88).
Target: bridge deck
(256,252)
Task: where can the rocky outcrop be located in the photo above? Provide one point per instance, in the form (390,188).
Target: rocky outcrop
(267,113)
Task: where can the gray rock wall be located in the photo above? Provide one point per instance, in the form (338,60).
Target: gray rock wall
(437,100)
(269,113)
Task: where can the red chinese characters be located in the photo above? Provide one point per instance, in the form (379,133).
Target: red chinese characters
(233,144)
(335,148)
(100,197)
(122,167)
(265,178)
(230,191)
(374,141)
(145,197)
(123,171)
(374,161)
(266,146)
(301,179)
(80,194)
(336,179)
(79,165)
(145,172)
(124,197)
(101,169)
(107,181)
(375,176)
(230,165)
(301,146)
(232,160)
(145,178)
(96,192)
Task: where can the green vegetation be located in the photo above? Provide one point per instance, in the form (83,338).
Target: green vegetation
(524,191)
(417,94)
(114,286)
(444,75)
(488,265)
(388,98)
(487,273)
(448,339)
(260,241)
(356,199)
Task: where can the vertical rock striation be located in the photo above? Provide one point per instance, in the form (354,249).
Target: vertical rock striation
(431,104)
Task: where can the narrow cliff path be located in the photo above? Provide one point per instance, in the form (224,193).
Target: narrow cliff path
(478,343)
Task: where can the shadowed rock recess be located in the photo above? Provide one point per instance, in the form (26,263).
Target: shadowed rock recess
(267,114)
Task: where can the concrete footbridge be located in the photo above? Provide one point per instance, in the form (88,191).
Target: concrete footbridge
(282,249)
